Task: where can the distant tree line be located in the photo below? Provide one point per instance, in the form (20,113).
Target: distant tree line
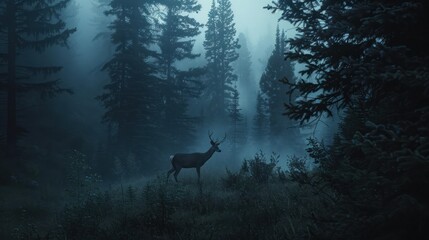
(149,95)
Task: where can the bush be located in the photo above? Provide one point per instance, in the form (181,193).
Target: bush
(298,170)
(159,201)
(81,182)
(257,170)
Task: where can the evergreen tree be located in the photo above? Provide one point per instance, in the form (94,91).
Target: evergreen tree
(221,51)
(28,25)
(243,68)
(246,80)
(176,43)
(270,83)
(132,97)
(370,59)
(260,129)
(238,128)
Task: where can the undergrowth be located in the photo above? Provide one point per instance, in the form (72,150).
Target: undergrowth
(257,202)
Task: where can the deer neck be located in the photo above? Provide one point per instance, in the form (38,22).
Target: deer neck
(209,154)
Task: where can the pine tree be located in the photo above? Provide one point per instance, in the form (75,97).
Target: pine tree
(221,51)
(176,43)
(276,92)
(238,128)
(260,129)
(372,65)
(28,25)
(132,97)
(243,67)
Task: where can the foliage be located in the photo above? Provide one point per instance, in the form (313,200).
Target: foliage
(84,221)
(257,170)
(369,59)
(243,65)
(159,200)
(31,26)
(269,210)
(221,47)
(271,99)
(132,98)
(238,124)
(81,181)
(176,42)
(298,169)
(359,52)
(273,90)
(260,129)
(26,230)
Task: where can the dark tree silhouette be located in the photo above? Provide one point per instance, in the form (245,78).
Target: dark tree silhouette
(25,26)
(369,59)
(276,93)
(132,98)
(221,51)
(260,121)
(176,43)
(238,130)
(243,67)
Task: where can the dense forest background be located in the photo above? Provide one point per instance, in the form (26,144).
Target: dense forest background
(325,119)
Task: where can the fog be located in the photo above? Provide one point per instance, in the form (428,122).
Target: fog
(91,50)
(190,119)
(78,118)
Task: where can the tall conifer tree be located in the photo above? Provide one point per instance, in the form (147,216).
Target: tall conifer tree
(176,43)
(260,129)
(276,93)
(238,128)
(243,67)
(132,97)
(221,47)
(28,25)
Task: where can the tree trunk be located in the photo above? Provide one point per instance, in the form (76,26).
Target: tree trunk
(11,90)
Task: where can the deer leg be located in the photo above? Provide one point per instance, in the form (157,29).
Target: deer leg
(169,173)
(176,173)
(198,172)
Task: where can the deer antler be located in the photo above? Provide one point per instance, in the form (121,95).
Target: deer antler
(224,138)
(210,135)
(216,141)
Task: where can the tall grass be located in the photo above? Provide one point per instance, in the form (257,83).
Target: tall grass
(257,202)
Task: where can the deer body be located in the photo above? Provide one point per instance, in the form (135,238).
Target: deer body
(192,160)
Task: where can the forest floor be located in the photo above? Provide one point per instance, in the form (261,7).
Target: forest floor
(23,204)
(229,206)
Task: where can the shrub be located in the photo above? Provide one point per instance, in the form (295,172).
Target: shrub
(298,170)
(159,203)
(85,221)
(81,182)
(259,168)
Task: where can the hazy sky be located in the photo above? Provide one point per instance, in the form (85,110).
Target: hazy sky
(257,23)
(250,17)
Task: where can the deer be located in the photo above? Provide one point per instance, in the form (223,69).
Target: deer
(193,160)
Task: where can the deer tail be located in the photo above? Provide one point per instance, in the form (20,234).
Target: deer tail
(171,158)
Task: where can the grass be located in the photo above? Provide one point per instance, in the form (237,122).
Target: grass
(23,205)
(233,205)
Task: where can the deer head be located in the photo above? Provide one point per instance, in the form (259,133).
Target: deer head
(215,144)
